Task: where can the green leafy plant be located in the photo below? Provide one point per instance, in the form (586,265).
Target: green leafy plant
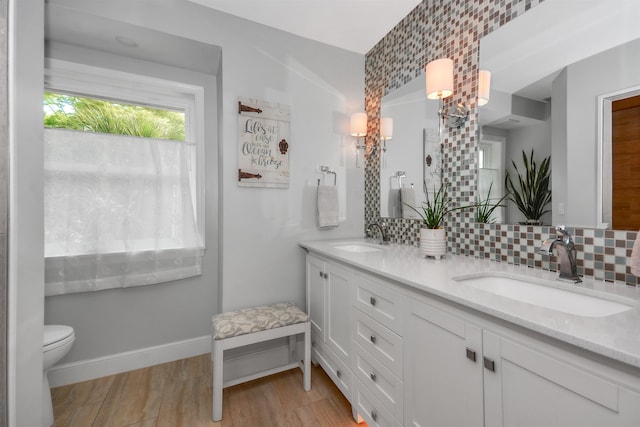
(532,194)
(95,115)
(433,212)
(486,207)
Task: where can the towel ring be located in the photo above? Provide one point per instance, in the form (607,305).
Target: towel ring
(326,170)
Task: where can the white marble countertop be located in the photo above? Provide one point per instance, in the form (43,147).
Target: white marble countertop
(616,336)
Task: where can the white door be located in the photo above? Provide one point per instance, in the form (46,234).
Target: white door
(339,311)
(534,388)
(316,295)
(442,369)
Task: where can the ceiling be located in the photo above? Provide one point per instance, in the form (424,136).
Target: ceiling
(73,26)
(355,25)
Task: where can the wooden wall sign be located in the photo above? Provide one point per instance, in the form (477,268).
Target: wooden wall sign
(263,144)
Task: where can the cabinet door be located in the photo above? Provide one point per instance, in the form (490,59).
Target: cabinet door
(443,382)
(338,311)
(316,295)
(543,388)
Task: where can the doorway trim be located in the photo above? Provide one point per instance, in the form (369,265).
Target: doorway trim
(603,155)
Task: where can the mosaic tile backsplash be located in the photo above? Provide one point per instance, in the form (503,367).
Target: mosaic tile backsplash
(453,29)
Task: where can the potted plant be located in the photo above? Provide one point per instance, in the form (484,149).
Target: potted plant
(486,207)
(433,239)
(532,194)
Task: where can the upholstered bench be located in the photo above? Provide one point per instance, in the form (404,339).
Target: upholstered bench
(252,325)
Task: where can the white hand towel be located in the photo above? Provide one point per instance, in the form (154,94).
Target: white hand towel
(408,196)
(327,206)
(635,257)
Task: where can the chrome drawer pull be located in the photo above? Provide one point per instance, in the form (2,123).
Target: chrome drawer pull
(338,373)
(489,365)
(471,355)
(374,416)
(373,376)
(373,338)
(372,300)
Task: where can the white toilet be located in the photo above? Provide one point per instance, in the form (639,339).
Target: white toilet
(57,342)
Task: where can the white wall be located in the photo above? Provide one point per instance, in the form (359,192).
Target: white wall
(26,226)
(259,259)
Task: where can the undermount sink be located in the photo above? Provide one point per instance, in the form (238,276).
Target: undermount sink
(358,247)
(530,291)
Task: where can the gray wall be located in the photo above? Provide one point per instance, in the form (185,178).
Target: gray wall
(120,320)
(4,204)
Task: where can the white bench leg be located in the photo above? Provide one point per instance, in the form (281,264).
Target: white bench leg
(292,349)
(307,357)
(217,356)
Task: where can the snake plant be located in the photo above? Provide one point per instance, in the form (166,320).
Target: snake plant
(433,212)
(531,192)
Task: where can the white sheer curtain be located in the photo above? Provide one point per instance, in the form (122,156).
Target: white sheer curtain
(119,212)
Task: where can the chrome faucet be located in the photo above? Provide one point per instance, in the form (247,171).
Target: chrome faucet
(384,237)
(566,252)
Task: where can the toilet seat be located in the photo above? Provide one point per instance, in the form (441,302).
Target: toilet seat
(56,336)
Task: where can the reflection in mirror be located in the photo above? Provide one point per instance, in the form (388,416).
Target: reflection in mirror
(511,125)
(556,71)
(413,157)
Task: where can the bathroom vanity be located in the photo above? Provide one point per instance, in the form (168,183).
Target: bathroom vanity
(412,341)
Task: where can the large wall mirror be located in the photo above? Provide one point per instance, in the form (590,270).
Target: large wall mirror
(410,165)
(557,72)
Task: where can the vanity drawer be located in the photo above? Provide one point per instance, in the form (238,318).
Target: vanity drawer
(370,409)
(384,344)
(380,381)
(341,376)
(379,301)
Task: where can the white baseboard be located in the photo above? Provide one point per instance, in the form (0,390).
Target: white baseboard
(237,364)
(83,370)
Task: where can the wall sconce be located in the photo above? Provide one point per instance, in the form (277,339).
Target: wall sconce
(484,87)
(439,85)
(386,133)
(359,130)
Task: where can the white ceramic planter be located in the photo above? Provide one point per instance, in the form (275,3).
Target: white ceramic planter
(433,242)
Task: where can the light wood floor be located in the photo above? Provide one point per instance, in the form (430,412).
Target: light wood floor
(178,394)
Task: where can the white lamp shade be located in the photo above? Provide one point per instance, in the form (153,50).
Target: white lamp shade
(386,128)
(358,124)
(439,76)
(484,87)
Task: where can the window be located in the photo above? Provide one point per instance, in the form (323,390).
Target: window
(123,180)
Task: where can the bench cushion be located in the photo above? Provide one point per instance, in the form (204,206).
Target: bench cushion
(256,319)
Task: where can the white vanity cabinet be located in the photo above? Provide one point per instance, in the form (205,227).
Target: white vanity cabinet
(329,295)
(405,357)
(465,371)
